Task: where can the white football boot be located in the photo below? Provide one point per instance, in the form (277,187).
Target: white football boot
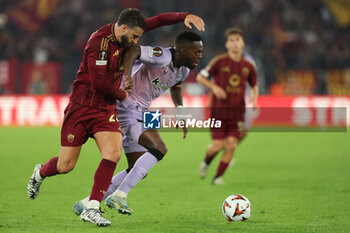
(94,216)
(33,186)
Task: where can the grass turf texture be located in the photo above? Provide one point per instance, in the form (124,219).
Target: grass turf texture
(296,182)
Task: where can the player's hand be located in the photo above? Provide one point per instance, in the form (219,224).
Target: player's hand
(128,83)
(253,101)
(196,21)
(126,96)
(184,129)
(219,92)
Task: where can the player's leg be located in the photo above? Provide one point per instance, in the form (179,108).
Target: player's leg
(213,149)
(79,206)
(118,178)
(230,146)
(119,202)
(241,137)
(151,140)
(57,165)
(109,144)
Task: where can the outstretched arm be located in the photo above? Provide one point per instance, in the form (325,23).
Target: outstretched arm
(173,18)
(130,56)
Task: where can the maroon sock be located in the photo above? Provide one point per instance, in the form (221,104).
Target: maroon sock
(49,168)
(221,169)
(102,179)
(208,158)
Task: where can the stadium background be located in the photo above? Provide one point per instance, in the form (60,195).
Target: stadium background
(302,51)
(300,47)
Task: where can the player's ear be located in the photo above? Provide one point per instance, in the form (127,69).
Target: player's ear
(124,28)
(183,50)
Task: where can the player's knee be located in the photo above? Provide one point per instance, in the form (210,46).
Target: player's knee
(159,146)
(157,153)
(63,168)
(230,146)
(216,147)
(113,155)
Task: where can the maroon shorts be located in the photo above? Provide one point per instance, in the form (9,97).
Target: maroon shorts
(81,121)
(228,128)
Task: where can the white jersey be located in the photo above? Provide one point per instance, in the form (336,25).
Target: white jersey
(153,74)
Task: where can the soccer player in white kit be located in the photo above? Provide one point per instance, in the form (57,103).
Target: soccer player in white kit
(156,70)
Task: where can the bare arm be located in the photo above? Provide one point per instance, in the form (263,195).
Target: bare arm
(254,95)
(130,56)
(217,91)
(176,96)
(173,18)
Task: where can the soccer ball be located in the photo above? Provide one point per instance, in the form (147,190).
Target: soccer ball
(236,208)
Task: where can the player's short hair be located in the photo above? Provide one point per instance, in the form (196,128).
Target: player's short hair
(234,30)
(132,17)
(187,36)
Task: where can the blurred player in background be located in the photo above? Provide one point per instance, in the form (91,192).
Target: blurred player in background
(230,72)
(91,110)
(156,70)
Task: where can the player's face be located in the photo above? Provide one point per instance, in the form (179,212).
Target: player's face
(131,36)
(193,54)
(235,43)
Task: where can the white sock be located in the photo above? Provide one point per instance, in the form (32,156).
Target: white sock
(93,204)
(38,177)
(120,193)
(85,201)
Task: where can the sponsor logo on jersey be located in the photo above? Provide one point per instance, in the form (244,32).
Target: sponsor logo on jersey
(245,71)
(157,52)
(226,69)
(116,53)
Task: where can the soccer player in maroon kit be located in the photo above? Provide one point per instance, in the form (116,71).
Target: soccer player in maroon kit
(231,72)
(91,111)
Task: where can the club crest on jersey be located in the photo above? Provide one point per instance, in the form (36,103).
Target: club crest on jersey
(70,138)
(157,52)
(234,80)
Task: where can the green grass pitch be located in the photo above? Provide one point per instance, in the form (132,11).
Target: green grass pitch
(296,182)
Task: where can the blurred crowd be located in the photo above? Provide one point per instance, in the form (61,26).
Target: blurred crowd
(279,34)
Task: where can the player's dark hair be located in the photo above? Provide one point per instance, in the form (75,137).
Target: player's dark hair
(232,31)
(132,17)
(187,36)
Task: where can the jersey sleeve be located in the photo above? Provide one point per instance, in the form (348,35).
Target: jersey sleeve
(156,56)
(211,69)
(185,75)
(165,19)
(97,59)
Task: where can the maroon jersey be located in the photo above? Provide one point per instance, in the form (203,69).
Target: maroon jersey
(100,73)
(232,77)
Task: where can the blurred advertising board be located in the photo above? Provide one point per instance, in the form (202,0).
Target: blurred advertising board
(301,111)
